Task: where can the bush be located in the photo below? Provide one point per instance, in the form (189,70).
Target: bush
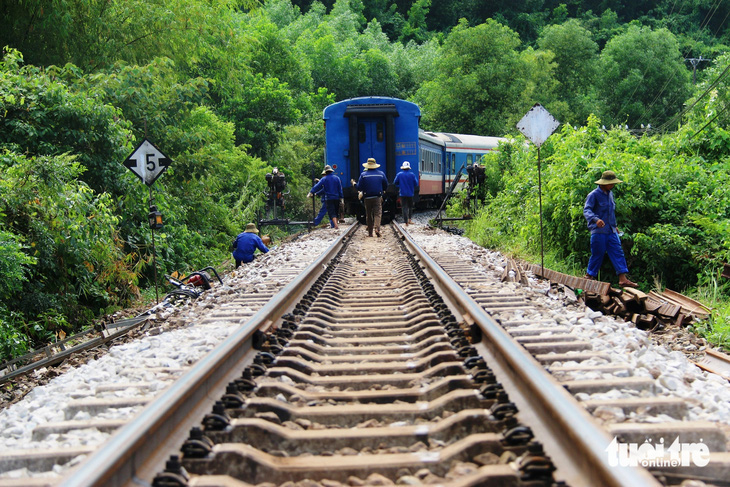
(673,206)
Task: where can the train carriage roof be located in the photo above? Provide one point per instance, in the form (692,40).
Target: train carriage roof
(371,105)
(464,141)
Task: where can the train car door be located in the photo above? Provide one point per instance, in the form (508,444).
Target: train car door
(371,137)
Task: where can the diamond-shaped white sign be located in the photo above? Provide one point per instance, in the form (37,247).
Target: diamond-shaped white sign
(147,162)
(537,124)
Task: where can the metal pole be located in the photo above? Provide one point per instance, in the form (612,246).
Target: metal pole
(539,186)
(314,206)
(154,253)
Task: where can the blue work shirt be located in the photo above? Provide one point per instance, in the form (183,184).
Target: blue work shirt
(407,182)
(321,195)
(246,245)
(600,206)
(372,183)
(331,185)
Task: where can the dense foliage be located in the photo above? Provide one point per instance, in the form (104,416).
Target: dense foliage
(674,204)
(230,89)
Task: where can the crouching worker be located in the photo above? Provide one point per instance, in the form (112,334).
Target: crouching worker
(246,244)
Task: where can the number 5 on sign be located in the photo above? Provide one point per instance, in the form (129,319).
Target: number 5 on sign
(147,162)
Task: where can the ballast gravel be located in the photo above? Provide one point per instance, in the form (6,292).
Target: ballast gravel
(132,367)
(126,368)
(639,352)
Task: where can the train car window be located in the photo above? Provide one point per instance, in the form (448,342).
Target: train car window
(361,132)
(379,130)
(469,159)
(453,163)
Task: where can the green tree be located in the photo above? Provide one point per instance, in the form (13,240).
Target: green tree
(387,15)
(42,116)
(15,263)
(644,79)
(478,81)
(540,86)
(602,27)
(96,33)
(706,125)
(576,56)
(415,28)
(69,233)
(272,55)
(207,160)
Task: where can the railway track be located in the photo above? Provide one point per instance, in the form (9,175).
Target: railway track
(633,406)
(376,366)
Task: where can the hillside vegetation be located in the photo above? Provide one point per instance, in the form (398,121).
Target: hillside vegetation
(230,89)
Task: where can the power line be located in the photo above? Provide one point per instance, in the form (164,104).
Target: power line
(708,17)
(695,62)
(690,107)
(708,123)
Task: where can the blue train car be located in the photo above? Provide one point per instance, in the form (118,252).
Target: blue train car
(387,129)
(380,127)
(459,152)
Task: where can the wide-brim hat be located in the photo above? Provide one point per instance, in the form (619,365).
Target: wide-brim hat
(608,177)
(371,164)
(406,165)
(251,228)
(327,169)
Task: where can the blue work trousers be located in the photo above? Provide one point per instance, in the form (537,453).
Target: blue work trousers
(406,203)
(321,214)
(602,244)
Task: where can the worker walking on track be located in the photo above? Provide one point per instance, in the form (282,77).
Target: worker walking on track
(332,187)
(407,183)
(599,212)
(372,184)
(323,208)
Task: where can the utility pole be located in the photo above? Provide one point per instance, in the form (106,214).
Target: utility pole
(695,61)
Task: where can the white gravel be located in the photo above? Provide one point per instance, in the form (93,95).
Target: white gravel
(130,364)
(116,373)
(674,374)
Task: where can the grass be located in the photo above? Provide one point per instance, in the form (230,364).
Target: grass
(716,330)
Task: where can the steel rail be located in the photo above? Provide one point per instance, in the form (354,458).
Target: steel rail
(140,448)
(54,359)
(576,443)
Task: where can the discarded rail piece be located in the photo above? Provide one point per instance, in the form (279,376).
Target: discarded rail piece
(645,310)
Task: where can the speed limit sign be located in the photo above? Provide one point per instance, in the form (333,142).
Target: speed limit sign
(147,162)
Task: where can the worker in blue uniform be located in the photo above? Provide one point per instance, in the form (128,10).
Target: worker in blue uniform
(323,208)
(600,213)
(246,244)
(371,185)
(332,187)
(407,183)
